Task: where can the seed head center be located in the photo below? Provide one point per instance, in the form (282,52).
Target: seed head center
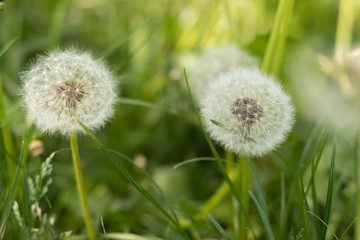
(70,92)
(247,110)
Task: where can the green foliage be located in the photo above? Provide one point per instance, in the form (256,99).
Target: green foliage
(306,189)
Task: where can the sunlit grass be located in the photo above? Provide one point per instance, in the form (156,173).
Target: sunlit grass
(152,172)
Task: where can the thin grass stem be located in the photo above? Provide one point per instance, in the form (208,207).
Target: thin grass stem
(344,30)
(274,49)
(343,37)
(220,193)
(244,196)
(357,181)
(6,134)
(81,186)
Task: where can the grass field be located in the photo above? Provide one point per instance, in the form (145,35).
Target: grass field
(152,172)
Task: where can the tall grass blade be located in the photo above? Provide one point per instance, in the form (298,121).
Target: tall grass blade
(7,46)
(57,22)
(212,147)
(325,225)
(314,166)
(219,227)
(141,103)
(348,228)
(11,196)
(103,228)
(200,159)
(27,204)
(128,176)
(329,195)
(265,219)
(307,148)
(282,208)
(129,160)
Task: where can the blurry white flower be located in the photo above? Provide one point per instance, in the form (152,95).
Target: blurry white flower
(215,61)
(352,68)
(320,97)
(67,85)
(247,112)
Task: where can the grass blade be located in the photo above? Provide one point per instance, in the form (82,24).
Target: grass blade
(200,159)
(218,227)
(7,46)
(325,225)
(347,229)
(282,226)
(264,217)
(11,196)
(211,145)
(129,160)
(329,195)
(128,176)
(316,161)
(305,152)
(141,103)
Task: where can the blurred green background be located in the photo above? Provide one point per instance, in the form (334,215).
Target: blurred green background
(148,44)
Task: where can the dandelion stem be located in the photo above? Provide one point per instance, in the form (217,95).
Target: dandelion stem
(81,186)
(244,197)
(357,181)
(274,49)
(220,194)
(8,144)
(231,200)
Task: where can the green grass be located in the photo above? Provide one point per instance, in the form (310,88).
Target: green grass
(153,172)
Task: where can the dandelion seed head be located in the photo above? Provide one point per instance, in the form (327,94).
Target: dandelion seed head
(254,111)
(62,87)
(214,62)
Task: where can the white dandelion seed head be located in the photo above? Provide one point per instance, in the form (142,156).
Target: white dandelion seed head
(214,62)
(252,109)
(62,87)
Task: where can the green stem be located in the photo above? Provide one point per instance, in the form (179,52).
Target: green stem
(81,186)
(344,30)
(244,197)
(231,200)
(274,49)
(220,194)
(343,37)
(357,181)
(231,21)
(57,22)
(8,143)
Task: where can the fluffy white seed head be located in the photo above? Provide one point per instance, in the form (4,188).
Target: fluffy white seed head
(214,62)
(252,113)
(65,86)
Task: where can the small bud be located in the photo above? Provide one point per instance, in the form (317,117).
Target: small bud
(36,148)
(140,160)
(36,211)
(52,219)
